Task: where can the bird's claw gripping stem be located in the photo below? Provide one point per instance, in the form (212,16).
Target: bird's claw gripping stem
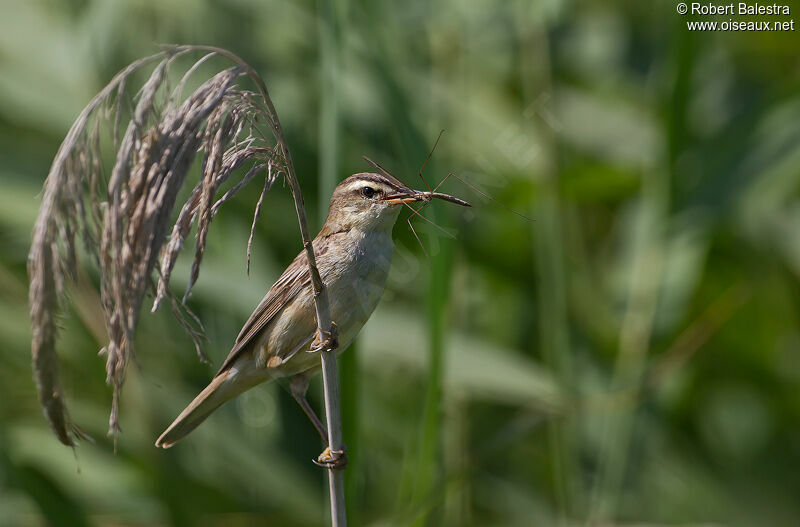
(334,459)
(329,341)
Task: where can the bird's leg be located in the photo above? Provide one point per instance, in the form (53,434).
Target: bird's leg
(299,386)
(329,458)
(327,341)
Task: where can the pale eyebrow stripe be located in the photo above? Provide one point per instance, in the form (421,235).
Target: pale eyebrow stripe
(377,185)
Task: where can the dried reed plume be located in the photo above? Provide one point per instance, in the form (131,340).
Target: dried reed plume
(124,217)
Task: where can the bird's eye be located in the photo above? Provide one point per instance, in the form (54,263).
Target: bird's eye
(368,192)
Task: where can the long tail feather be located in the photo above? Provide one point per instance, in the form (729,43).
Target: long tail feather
(221,389)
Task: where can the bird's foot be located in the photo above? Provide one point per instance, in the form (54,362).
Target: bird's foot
(328,342)
(336,459)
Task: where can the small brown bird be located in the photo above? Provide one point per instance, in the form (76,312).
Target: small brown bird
(353,252)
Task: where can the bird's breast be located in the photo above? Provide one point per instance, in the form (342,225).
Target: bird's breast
(355,276)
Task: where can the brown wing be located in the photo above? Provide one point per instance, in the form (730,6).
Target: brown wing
(291,282)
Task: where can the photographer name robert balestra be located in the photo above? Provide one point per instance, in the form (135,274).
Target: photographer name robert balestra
(741,9)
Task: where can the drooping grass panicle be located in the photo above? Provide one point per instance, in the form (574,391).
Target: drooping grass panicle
(126,218)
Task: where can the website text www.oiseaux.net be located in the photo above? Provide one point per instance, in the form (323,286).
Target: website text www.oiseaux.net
(739,17)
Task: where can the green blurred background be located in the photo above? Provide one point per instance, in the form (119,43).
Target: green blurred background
(630,357)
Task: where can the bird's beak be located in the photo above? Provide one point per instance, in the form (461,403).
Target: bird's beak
(408,195)
(405,195)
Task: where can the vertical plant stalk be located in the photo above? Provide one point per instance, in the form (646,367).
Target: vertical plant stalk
(324,327)
(548,233)
(328,165)
(330,382)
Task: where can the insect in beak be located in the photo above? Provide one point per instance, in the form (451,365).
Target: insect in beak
(412,196)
